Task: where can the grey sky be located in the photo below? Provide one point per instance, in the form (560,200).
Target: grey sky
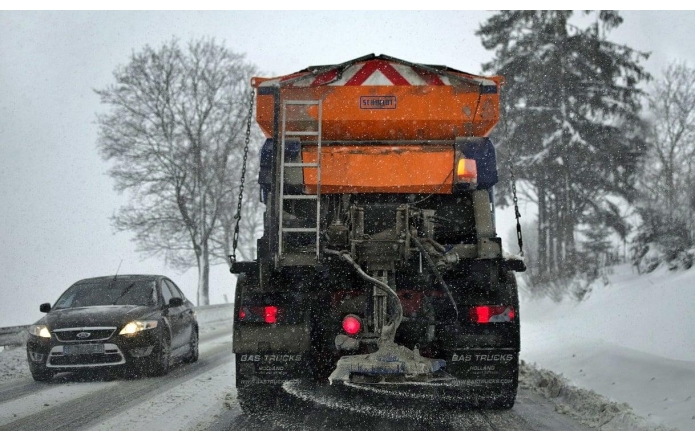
(56,197)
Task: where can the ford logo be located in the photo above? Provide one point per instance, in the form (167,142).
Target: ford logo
(83,335)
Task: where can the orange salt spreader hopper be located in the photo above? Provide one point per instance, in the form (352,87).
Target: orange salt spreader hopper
(388,125)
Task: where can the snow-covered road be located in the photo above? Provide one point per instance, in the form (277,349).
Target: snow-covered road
(623,359)
(202,396)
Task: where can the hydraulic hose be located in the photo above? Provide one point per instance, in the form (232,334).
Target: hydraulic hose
(433,267)
(345,256)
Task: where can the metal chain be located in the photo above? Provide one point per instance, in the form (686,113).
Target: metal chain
(516,208)
(237,217)
(517,214)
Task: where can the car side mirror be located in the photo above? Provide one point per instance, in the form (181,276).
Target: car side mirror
(175,302)
(45,308)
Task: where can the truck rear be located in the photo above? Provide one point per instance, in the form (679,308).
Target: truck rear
(380,262)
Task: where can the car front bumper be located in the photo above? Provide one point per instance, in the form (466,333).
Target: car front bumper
(50,354)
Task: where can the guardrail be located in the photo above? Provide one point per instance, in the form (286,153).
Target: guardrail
(14,335)
(17,335)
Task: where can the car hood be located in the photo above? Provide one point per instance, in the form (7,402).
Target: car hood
(96,316)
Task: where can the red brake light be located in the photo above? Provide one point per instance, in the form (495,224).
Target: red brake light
(352,324)
(271,314)
(484,314)
(259,313)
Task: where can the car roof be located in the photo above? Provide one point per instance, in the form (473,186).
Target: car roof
(119,278)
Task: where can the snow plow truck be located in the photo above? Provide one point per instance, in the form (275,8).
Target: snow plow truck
(380,263)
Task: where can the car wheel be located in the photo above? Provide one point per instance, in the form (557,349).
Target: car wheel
(160,365)
(41,375)
(193,355)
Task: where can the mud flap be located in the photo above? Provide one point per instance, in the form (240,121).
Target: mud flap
(484,369)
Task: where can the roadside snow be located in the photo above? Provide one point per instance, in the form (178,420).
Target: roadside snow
(631,340)
(585,406)
(13,364)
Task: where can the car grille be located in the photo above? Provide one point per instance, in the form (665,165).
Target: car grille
(97,359)
(95,334)
(111,356)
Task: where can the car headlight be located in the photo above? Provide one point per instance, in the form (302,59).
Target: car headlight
(134,327)
(40,330)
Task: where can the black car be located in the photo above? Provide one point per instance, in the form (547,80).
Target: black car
(140,323)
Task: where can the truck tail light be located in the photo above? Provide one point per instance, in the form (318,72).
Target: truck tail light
(466,171)
(270,314)
(352,324)
(484,314)
(259,313)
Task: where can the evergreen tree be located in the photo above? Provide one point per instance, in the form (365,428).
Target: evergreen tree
(571,104)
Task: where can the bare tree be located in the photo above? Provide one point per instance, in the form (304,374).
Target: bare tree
(669,168)
(251,222)
(175,133)
(666,199)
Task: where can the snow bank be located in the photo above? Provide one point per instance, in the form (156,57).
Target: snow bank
(631,340)
(13,364)
(585,406)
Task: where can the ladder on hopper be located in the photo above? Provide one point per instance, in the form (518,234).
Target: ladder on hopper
(301,258)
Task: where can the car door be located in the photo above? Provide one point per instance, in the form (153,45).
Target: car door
(174,315)
(187,316)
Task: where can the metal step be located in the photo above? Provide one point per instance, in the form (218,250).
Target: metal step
(299,197)
(301,164)
(302,133)
(303,102)
(299,229)
(308,259)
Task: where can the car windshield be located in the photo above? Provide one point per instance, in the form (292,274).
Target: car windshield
(118,292)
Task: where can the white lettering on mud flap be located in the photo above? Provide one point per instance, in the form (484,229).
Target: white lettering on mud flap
(255,381)
(271,358)
(482,357)
(484,381)
(494,358)
(483,368)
